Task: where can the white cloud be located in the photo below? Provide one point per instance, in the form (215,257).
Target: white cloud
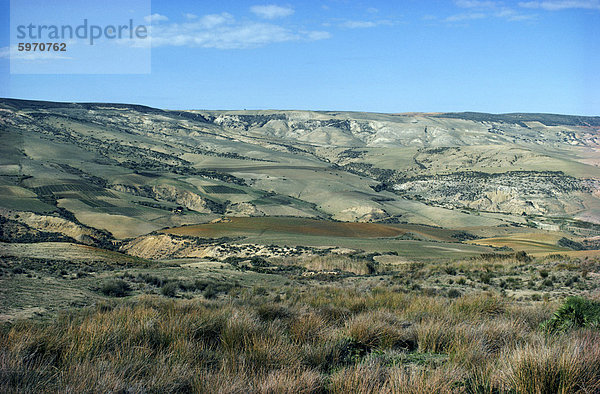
(364,24)
(512,15)
(358,24)
(466,16)
(213,20)
(271,11)
(222,31)
(318,35)
(475,4)
(188,15)
(480,9)
(557,5)
(155,18)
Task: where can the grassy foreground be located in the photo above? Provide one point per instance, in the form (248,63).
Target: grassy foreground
(323,339)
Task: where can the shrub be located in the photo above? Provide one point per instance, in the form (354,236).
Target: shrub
(450,270)
(522,257)
(210,291)
(260,291)
(115,288)
(271,311)
(257,261)
(547,283)
(151,280)
(486,277)
(454,293)
(170,289)
(575,312)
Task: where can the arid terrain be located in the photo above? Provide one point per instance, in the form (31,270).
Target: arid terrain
(149,250)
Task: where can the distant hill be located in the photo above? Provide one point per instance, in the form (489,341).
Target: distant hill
(133,169)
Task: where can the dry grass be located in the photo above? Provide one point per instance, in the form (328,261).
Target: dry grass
(328,339)
(550,365)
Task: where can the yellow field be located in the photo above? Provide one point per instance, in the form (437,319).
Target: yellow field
(543,243)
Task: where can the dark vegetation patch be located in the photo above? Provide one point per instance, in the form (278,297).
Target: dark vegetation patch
(519,118)
(464,236)
(222,189)
(173,286)
(115,288)
(61,268)
(575,312)
(568,243)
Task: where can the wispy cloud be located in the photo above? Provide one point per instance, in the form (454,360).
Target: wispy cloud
(480,9)
(271,11)
(475,4)
(465,17)
(317,35)
(358,24)
(559,5)
(155,18)
(223,31)
(364,24)
(188,15)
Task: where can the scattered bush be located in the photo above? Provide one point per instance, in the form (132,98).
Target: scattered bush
(522,257)
(115,288)
(356,335)
(170,289)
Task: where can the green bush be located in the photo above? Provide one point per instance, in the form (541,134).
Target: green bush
(210,291)
(115,288)
(574,313)
(522,257)
(454,293)
(170,289)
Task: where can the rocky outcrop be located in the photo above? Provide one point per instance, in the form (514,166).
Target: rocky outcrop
(517,192)
(185,198)
(167,246)
(362,214)
(243,209)
(56,225)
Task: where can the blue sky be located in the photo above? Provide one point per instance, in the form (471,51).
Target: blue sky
(380,56)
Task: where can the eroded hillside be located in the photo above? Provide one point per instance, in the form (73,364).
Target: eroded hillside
(129,170)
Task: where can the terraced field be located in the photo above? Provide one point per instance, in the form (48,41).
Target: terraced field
(531,243)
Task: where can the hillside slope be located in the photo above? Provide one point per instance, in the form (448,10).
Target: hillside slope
(130,169)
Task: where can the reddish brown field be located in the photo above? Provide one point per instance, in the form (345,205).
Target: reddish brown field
(310,227)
